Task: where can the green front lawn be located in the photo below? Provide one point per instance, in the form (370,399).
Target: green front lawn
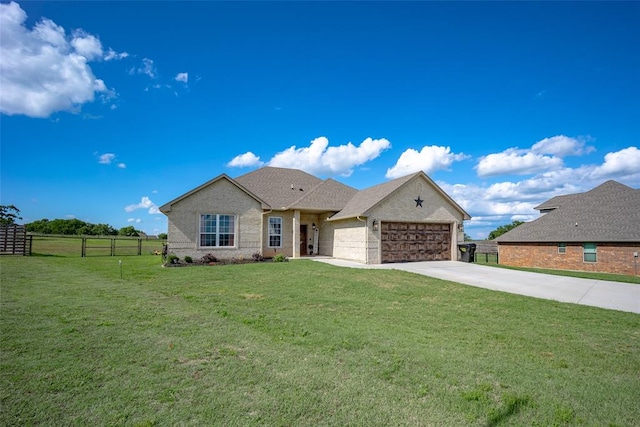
(300,343)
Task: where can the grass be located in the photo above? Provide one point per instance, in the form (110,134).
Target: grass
(300,343)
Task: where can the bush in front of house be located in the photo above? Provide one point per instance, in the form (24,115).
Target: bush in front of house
(280,258)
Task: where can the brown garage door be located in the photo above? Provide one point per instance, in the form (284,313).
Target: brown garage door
(408,241)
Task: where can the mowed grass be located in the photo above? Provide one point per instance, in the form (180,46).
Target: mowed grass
(300,343)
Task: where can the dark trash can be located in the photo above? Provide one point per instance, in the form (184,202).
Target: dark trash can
(467,252)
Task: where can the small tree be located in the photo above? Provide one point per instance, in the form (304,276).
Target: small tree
(503,229)
(128,231)
(9,214)
(162,236)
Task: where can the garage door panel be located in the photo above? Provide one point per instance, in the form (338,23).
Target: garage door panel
(403,241)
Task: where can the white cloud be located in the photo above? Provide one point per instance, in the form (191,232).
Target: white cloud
(42,70)
(182,77)
(319,158)
(514,161)
(112,54)
(623,163)
(145,203)
(106,158)
(136,220)
(86,45)
(429,159)
(544,155)
(147,68)
(247,159)
(561,146)
(122,165)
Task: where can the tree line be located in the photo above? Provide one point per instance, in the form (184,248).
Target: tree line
(67,227)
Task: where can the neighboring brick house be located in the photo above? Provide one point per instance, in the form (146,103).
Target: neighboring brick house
(598,231)
(277,210)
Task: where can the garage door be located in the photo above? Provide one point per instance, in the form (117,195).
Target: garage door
(408,241)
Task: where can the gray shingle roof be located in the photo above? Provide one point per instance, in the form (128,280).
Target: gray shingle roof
(279,187)
(329,195)
(607,213)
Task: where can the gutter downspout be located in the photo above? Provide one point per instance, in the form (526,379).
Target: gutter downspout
(366,241)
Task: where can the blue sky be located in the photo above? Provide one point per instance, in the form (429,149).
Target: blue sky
(111,109)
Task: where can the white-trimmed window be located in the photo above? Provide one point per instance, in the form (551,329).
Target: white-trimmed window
(217,230)
(589,252)
(562,248)
(275,232)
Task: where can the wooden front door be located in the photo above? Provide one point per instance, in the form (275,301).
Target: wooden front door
(303,240)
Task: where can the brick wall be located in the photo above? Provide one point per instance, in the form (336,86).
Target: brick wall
(611,258)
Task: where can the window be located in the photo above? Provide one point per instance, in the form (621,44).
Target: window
(562,248)
(217,230)
(589,252)
(275,232)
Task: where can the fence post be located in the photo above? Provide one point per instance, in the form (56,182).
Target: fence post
(113,247)
(84,247)
(139,246)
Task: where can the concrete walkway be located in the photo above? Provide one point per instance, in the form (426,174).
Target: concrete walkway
(597,293)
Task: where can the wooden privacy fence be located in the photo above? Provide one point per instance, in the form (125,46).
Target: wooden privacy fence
(14,240)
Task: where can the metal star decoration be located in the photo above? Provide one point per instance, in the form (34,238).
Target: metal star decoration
(418,202)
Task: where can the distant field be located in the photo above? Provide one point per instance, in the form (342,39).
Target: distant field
(72,246)
(300,343)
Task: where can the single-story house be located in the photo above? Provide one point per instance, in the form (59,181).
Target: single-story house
(277,210)
(598,231)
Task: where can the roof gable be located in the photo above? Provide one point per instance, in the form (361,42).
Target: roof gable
(366,199)
(607,213)
(167,206)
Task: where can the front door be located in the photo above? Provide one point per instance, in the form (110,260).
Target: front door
(303,240)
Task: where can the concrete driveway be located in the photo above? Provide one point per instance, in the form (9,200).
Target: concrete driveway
(597,293)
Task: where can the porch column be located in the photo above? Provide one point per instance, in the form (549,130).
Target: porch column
(296,234)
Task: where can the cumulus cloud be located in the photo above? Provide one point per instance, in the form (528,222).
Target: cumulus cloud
(561,146)
(145,203)
(544,155)
(122,165)
(136,220)
(319,158)
(44,70)
(500,203)
(429,159)
(514,161)
(182,77)
(623,163)
(106,158)
(247,159)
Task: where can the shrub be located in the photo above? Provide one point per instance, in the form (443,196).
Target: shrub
(280,258)
(173,259)
(188,259)
(208,258)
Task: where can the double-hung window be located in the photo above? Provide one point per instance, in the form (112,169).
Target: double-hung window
(589,252)
(217,230)
(275,232)
(562,248)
